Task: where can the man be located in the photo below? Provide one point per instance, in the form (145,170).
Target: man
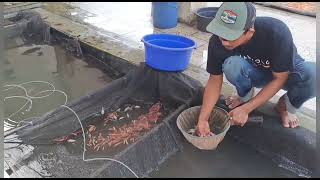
(254,52)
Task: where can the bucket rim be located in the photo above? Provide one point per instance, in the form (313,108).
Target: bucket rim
(205,17)
(166,48)
(206,9)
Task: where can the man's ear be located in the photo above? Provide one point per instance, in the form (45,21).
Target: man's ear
(250,31)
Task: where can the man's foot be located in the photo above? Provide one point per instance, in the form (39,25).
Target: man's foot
(288,120)
(233,101)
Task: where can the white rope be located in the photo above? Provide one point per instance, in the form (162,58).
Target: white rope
(29,100)
(14,85)
(28,97)
(66,96)
(84,146)
(32,97)
(20,86)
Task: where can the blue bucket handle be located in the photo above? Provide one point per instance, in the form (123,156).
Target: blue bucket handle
(194,47)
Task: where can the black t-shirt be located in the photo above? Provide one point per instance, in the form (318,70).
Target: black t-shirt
(271,47)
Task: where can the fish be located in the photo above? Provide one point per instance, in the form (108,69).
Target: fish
(71,140)
(127,109)
(61,139)
(193,132)
(29,51)
(77,132)
(92,128)
(112,116)
(102,111)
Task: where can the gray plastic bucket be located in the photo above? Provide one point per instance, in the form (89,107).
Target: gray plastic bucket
(205,16)
(219,125)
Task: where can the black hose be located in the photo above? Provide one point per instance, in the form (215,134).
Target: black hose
(36,144)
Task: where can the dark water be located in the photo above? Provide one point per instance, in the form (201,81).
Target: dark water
(230,160)
(25,62)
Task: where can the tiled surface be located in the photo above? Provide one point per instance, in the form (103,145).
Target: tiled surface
(119,17)
(202,35)
(132,21)
(203,48)
(181,29)
(198,58)
(198,41)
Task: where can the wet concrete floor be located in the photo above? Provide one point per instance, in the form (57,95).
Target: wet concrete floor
(230,160)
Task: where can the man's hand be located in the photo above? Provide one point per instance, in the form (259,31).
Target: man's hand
(203,129)
(238,116)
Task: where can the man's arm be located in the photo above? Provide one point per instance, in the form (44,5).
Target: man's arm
(210,98)
(240,114)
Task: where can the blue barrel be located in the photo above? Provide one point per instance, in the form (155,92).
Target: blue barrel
(168,52)
(165,14)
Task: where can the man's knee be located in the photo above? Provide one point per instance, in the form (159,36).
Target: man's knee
(310,77)
(233,67)
(303,87)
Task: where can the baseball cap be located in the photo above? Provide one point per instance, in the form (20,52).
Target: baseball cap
(232,20)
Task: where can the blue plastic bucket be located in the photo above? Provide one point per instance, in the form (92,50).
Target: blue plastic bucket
(168,52)
(165,14)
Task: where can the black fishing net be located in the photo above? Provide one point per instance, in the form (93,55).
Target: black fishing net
(28,25)
(124,114)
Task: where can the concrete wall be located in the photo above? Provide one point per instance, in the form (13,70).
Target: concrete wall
(187,11)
